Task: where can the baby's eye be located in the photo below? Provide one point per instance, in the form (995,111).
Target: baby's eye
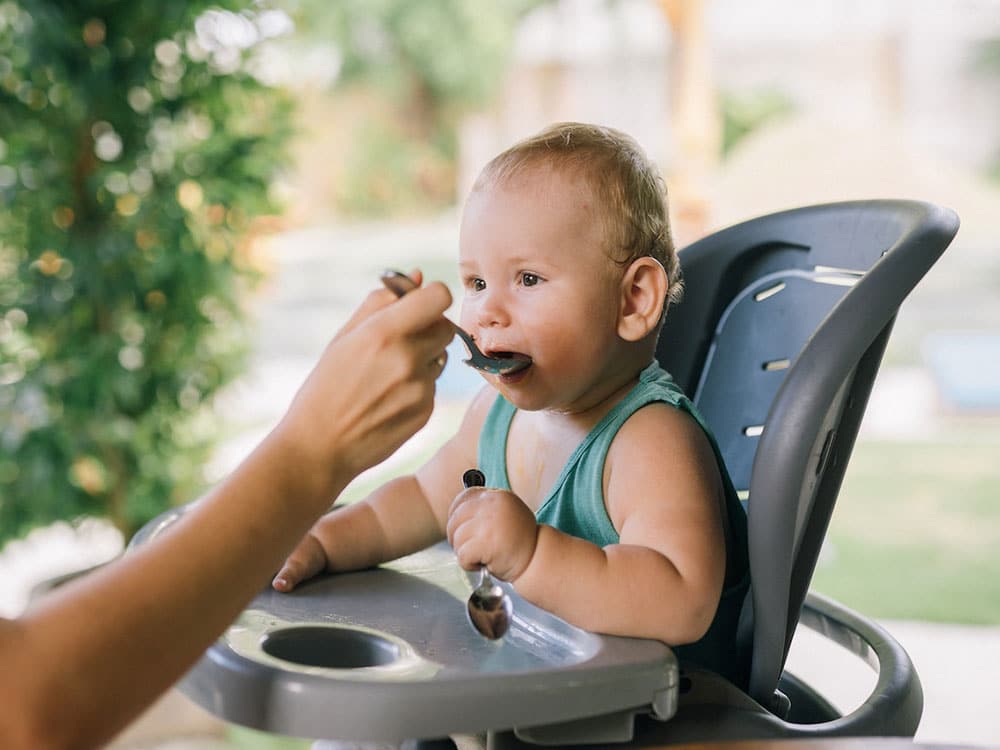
(530,279)
(477,285)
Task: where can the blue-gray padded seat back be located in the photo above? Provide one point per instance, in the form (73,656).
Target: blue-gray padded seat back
(759,335)
(778,339)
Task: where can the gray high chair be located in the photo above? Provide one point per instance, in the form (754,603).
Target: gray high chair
(778,339)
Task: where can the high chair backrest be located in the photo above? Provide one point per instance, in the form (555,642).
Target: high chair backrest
(778,339)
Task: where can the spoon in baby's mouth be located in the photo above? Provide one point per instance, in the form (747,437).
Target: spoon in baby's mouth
(399,284)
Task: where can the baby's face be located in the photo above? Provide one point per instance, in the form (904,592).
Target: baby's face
(538,283)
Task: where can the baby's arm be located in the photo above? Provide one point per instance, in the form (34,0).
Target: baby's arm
(392,521)
(400,517)
(664,578)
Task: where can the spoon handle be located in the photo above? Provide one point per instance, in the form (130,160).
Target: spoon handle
(474,478)
(396,282)
(489,608)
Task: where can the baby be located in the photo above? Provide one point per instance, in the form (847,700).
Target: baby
(607,502)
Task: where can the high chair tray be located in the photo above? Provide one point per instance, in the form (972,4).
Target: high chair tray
(388,654)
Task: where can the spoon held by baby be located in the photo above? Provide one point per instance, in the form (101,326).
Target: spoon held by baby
(490,608)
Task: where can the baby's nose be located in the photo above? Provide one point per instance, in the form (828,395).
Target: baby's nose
(492,311)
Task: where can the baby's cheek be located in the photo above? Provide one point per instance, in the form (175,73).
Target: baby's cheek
(467,315)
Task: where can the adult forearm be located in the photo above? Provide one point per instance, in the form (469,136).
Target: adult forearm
(93,654)
(147,618)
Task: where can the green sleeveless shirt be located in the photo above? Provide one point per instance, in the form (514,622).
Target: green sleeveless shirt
(575,505)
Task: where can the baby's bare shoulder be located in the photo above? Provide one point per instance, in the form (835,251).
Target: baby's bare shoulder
(657,428)
(661,452)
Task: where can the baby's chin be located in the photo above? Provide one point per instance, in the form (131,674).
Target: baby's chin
(523,392)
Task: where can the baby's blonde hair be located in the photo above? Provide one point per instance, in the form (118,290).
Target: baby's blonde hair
(626,183)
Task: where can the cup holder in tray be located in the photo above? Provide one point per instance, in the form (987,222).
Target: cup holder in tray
(331,647)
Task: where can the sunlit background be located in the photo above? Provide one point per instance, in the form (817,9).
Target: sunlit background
(189,209)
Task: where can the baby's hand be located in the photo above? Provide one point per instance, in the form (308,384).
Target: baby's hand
(492,528)
(306,560)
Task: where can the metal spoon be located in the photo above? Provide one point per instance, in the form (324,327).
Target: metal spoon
(490,608)
(399,284)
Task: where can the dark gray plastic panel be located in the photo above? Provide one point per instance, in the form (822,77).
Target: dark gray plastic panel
(787,433)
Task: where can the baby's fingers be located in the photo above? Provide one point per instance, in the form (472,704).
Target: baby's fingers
(465,501)
(454,530)
(462,511)
(465,541)
(306,560)
(468,556)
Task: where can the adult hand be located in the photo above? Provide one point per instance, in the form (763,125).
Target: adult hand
(492,528)
(374,385)
(84,651)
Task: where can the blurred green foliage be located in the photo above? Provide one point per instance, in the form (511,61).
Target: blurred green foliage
(136,151)
(986,62)
(422,65)
(745,112)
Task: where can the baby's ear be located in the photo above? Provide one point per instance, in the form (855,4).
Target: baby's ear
(644,288)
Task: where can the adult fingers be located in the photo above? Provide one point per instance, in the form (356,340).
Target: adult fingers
(374,386)
(418,309)
(414,327)
(375,301)
(439,363)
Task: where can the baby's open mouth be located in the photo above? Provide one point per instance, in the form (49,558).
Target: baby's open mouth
(523,360)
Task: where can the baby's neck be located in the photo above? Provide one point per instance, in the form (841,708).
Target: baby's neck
(601,399)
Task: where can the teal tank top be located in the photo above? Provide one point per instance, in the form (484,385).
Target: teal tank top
(575,505)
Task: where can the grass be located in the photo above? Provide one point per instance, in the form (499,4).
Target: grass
(251,739)
(916,532)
